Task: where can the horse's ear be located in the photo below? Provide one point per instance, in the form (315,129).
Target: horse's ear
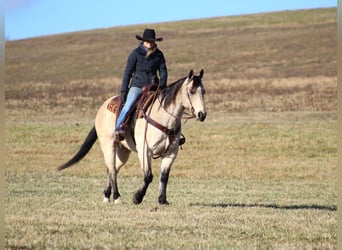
(191,73)
(201,73)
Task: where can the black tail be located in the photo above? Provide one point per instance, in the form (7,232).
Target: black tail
(86,146)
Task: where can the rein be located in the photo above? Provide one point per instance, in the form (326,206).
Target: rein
(189,116)
(171,133)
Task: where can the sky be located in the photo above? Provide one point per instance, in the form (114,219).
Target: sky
(32,18)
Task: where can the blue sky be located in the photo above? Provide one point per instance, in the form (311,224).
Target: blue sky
(31,18)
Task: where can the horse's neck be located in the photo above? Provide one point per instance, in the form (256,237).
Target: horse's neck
(170,116)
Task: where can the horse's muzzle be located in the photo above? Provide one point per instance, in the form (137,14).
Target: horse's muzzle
(201,116)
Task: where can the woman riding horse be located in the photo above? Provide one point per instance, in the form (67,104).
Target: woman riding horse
(157,134)
(141,70)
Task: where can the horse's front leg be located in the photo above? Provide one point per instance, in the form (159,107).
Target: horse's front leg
(145,161)
(164,178)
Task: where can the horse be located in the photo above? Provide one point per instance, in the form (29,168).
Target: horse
(155,135)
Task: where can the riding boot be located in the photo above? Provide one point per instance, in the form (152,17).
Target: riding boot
(120,134)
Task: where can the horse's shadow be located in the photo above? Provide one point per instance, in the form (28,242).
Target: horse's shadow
(272,206)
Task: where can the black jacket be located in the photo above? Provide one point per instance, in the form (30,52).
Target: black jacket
(141,71)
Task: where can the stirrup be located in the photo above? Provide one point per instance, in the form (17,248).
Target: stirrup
(120,134)
(181,139)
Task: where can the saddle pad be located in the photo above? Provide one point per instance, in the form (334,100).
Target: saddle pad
(114,105)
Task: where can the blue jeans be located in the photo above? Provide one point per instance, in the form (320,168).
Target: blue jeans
(133,94)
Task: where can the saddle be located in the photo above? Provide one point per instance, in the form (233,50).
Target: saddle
(144,101)
(147,97)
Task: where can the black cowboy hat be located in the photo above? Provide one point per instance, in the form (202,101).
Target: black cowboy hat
(149,35)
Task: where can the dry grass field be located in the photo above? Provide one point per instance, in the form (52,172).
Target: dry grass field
(259,173)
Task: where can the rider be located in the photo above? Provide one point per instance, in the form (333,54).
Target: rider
(141,70)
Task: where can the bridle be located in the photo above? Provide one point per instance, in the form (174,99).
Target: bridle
(192,109)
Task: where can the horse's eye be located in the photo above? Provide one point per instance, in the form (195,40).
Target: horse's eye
(203,91)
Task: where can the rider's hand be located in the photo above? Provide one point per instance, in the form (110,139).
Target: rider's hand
(123,96)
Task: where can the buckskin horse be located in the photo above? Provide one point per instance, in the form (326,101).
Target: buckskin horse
(155,134)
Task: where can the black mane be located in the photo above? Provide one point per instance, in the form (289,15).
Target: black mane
(169,94)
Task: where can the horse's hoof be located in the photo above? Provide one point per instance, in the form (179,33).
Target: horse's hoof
(117,201)
(106,200)
(162,200)
(164,203)
(137,199)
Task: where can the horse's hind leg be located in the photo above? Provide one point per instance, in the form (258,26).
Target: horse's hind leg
(108,154)
(112,185)
(121,156)
(108,190)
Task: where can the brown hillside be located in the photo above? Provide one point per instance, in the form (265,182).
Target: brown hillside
(268,62)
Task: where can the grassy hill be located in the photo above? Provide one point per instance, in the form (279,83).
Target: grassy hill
(243,56)
(259,173)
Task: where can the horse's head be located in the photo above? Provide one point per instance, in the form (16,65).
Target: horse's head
(194,95)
